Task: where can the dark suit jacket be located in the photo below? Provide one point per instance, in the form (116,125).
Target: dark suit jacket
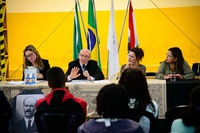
(20,127)
(91,67)
(5,113)
(43,71)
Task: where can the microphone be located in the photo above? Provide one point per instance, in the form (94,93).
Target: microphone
(84,67)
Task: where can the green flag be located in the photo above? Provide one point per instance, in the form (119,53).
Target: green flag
(77,34)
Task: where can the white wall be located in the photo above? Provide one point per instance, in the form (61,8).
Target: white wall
(15,6)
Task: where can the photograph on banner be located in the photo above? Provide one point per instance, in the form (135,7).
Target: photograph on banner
(24,113)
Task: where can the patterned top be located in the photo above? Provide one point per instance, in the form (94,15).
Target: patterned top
(140,66)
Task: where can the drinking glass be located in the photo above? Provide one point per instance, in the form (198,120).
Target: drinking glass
(173,77)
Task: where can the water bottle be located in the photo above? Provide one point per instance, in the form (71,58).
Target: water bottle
(173,77)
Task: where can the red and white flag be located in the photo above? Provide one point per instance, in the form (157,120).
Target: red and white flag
(132,34)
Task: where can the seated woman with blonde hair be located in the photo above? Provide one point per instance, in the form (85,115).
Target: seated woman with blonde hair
(33,58)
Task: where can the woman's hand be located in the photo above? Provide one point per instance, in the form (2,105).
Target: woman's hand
(178,76)
(40,76)
(168,76)
(127,66)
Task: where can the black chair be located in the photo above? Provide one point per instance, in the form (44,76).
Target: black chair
(174,113)
(136,114)
(196,68)
(52,120)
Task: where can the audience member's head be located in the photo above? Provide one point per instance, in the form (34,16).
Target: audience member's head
(56,77)
(112,101)
(134,81)
(195,97)
(191,116)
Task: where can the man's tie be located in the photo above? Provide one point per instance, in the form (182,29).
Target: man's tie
(29,124)
(84,67)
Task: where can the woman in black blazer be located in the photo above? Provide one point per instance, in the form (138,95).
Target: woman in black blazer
(33,58)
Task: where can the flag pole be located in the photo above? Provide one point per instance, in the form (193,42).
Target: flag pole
(123,25)
(77,1)
(107,65)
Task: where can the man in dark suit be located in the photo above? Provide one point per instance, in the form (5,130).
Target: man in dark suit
(27,124)
(84,68)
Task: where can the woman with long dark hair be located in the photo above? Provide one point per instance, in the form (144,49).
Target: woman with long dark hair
(174,64)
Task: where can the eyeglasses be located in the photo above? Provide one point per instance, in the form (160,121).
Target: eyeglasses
(86,56)
(30,55)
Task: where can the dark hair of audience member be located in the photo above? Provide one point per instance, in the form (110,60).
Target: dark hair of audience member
(112,101)
(134,80)
(56,77)
(191,115)
(177,53)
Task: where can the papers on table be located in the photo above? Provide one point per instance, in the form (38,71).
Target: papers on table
(15,82)
(20,82)
(102,81)
(72,82)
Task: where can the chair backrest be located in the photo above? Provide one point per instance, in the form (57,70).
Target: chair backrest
(196,68)
(174,113)
(52,120)
(136,114)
